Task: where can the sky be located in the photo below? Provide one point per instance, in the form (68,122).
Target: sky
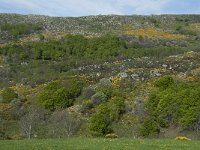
(99,7)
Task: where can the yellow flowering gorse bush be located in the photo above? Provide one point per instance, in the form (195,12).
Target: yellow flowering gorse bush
(111,135)
(182,138)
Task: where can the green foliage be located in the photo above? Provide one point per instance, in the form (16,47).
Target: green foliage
(72,46)
(55,95)
(89,58)
(88,92)
(86,106)
(74,87)
(185,31)
(8,95)
(117,107)
(149,128)
(106,90)
(175,104)
(98,98)
(164,82)
(20,29)
(100,121)
(106,113)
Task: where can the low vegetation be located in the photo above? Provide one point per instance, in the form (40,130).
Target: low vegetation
(99,144)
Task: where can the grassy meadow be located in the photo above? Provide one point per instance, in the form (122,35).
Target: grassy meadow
(99,144)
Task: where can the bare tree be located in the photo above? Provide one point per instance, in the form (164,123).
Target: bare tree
(62,124)
(30,121)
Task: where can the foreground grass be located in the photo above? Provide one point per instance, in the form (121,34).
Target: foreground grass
(98,144)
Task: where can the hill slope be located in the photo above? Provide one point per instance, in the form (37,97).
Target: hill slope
(129,75)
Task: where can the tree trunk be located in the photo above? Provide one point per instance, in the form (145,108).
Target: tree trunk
(29,133)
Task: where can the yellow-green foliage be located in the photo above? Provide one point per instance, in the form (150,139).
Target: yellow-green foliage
(116,82)
(22,90)
(152,33)
(4,108)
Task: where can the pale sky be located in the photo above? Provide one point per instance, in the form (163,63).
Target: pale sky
(96,7)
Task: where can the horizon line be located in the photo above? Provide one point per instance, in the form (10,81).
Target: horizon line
(164,14)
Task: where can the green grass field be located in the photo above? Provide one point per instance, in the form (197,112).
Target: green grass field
(98,144)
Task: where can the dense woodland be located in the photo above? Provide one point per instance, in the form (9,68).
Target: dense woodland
(134,77)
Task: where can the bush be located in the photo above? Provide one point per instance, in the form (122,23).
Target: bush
(88,92)
(105,82)
(106,90)
(117,106)
(98,98)
(55,96)
(86,106)
(178,105)
(100,123)
(182,138)
(164,82)
(105,114)
(149,128)
(8,95)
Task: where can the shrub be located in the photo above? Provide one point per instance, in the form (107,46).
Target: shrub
(98,98)
(55,96)
(105,82)
(117,106)
(100,123)
(182,138)
(88,92)
(105,114)
(8,95)
(179,105)
(86,106)
(164,82)
(149,128)
(106,90)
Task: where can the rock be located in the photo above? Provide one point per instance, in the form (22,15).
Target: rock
(155,73)
(123,75)
(135,77)
(105,82)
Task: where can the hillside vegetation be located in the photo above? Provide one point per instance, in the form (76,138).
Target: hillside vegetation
(99,76)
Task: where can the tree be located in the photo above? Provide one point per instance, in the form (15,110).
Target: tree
(31,121)
(55,96)
(100,121)
(106,113)
(117,107)
(63,124)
